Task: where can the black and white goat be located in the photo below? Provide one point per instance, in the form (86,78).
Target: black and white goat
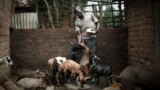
(5,68)
(56,65)
(6,60)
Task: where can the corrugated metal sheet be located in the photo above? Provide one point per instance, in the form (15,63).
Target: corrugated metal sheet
(25,20)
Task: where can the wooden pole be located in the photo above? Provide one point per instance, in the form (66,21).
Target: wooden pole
(37,11)
(56,12)
(49,14)
(112,16)
(120,10)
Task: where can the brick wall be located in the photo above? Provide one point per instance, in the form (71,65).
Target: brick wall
(5,19)
(140,23)
(112,48)
(32,48)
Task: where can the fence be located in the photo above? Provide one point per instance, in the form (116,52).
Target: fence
(59,13)
(25,21)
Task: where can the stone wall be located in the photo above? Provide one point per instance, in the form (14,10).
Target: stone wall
(5,20)
(140,22)
(33,48)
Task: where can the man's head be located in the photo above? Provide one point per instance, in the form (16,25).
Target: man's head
(78,11)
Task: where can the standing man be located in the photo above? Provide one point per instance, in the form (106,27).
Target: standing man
(86,27)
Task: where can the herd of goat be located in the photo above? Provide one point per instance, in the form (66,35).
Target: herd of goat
(75,67)
(78,67)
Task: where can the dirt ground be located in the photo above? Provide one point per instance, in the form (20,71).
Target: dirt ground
(93,86)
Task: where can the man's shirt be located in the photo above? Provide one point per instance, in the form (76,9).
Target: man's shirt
(87,23)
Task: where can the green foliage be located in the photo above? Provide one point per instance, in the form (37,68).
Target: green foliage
(111,19)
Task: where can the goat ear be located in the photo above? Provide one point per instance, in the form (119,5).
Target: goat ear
(72,42)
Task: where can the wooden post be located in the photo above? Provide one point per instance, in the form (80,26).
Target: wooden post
(120,14)
(56,12)
(49,14)
(37,11)
(72,13)
(100,12)
(112,15)
(94,10)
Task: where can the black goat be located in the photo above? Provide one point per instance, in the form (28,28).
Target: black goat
(74,52)
(100,70)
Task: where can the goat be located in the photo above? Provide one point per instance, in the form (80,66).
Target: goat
(5,68)
(85,59)
(81,52)
(6,60)
(74,52)
(100,70)
(56,64)
(136,75)
(74,68)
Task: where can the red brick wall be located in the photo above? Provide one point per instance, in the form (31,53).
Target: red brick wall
(140,23)
(32,48)
(5,20)
(112,48)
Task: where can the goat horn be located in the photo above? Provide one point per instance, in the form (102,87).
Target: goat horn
(87,78)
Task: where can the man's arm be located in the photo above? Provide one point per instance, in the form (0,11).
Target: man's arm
(97,26)
(79,36)
(95,20)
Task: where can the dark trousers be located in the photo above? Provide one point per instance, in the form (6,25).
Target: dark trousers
(91,44)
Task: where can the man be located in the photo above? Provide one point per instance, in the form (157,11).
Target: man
(86,27)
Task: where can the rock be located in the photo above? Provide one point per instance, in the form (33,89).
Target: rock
(111,88)
(73,87)
(9,85)
(4,73)
(1,88)
(50,87)
(29,83)
(22,73)
(86,87)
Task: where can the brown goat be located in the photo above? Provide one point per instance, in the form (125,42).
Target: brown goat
(74,68)
(85,60)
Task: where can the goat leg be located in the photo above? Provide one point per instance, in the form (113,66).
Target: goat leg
(57,78)
(77,80)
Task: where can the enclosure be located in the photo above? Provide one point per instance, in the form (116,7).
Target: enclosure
(33,31)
